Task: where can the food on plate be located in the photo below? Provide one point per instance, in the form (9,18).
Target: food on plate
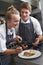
(29,53)
(32,52)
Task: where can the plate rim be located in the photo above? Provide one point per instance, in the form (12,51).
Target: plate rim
(24,57)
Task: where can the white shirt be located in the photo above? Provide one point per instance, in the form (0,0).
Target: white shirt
(3,37)
(36,25)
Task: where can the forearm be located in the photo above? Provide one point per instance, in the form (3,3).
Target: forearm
(10,51)
(40,38)
(13,51)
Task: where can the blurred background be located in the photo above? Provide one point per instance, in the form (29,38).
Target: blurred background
(36,7)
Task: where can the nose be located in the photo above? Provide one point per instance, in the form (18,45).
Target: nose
(24,14)
(16,23)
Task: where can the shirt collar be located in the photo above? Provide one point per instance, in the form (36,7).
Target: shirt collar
(28,21)
(10,31)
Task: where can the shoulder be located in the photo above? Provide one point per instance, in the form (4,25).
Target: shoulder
(2,29)
(34,21)
(36,25)
(2,26)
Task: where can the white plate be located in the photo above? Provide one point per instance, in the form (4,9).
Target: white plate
(37,54)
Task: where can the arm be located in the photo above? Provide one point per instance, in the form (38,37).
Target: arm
(37,40)
(13,51)
(38,31)
(4,50)
(10,51)
(17,39)
(40,38)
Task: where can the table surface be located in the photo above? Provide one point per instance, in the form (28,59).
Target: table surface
(36,61)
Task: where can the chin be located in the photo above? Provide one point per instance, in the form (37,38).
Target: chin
(25,19)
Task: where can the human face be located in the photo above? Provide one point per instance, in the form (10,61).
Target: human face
(25,14)
(14,21)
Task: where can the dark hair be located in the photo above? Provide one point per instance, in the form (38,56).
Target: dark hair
(26,5)
(11,10)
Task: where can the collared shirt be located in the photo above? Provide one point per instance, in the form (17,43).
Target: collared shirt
(10,31)
(36,25)
(3,37)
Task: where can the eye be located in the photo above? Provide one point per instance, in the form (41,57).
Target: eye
(22,12)
(26,12)
(17,21)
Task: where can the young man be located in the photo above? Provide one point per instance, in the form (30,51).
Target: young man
(29,27)
(7,34)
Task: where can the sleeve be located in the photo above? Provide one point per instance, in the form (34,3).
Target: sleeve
(2,44)
(37,27)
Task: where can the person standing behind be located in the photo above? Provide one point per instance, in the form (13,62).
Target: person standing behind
(29,27)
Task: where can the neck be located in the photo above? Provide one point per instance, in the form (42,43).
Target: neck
(8,25)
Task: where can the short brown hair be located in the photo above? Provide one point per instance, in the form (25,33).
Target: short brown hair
(26,5)
(11,10)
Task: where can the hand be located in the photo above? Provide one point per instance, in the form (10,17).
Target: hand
(36,42)
(24,46)
(18,39)
(19,49)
